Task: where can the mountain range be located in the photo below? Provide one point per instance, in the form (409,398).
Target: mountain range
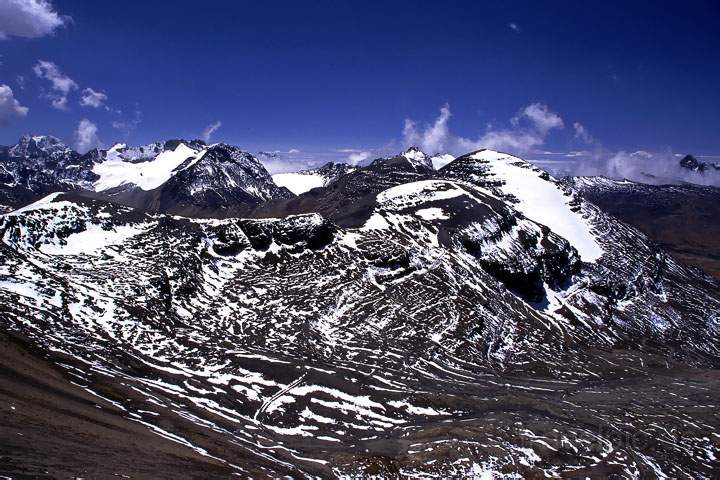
(176,176)
(174,310)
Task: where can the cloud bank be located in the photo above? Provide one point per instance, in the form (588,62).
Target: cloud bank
(356,157)
(642,166)
(528,130)
(10,107)
(29,18)
(282,162)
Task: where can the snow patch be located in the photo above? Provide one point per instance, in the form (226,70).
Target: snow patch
(416,193)
(376,222)
(92,239)
(299,183)
(432,213)
(43,202)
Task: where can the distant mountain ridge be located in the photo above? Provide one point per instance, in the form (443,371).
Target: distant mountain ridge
(175,176)
(305,180)
(689,162)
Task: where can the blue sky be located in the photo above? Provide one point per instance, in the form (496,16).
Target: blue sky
(321,76)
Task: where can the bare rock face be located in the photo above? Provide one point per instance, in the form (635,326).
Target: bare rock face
(480,320)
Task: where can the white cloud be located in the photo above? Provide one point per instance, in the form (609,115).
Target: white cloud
(540,117)
(435,138)
(530,128)
(582,133)
(357,157)
(86,137)
(50,71)
(29,18)
(20,80)
(274,162)
(293,150)
(512,140)
(61,83)
(209,130)
(640,166)
(514,27)
(91,98)
(9,106)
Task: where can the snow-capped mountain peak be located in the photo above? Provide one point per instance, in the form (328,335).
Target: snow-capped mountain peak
(33,145)
(417,157)
(180,176)
(691,163)
(533,192)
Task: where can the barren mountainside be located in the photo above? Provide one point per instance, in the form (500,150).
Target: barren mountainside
(483,320)
(683,219)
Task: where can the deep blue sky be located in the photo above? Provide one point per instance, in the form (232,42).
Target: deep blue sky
(331,75)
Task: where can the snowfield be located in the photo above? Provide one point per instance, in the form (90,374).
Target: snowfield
(439,161)
(299,183)
(92,239)
(115,171)
(542,201)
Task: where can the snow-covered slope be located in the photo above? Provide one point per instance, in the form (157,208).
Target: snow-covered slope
(440,160)
(148,175)
(534,193)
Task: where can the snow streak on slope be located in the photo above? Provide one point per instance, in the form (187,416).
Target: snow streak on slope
(47,200)
(542,201)
(299,183)
(148,175)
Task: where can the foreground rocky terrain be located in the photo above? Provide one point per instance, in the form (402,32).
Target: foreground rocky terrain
(482,320)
